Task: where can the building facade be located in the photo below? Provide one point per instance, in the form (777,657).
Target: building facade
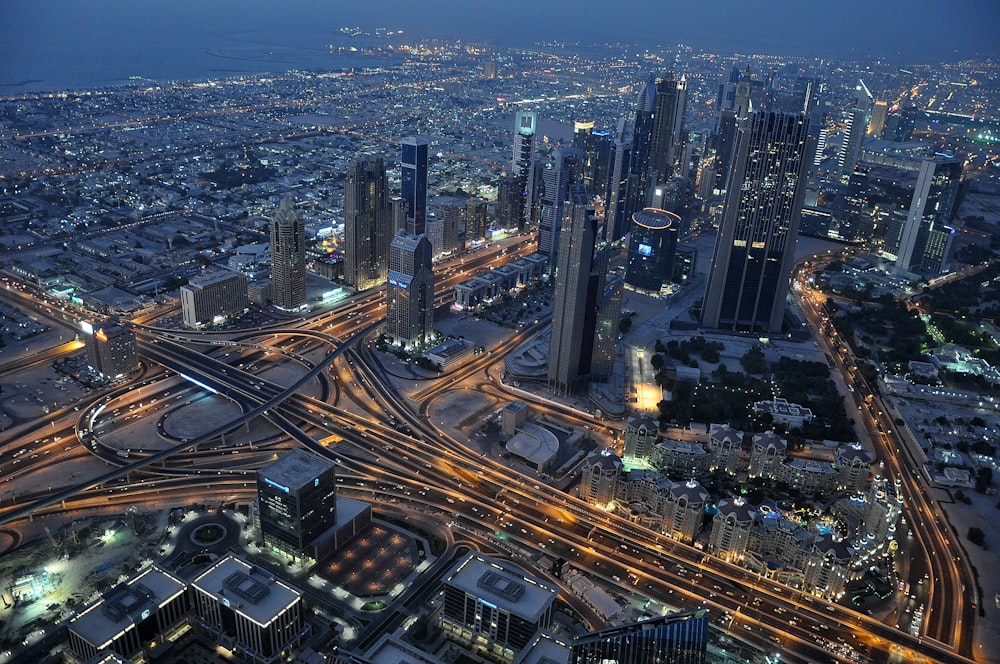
(111,348)
(409,317)
(297,501)
(753,256)
(212,297)
(679,638)
(367,224)
(651,247)
(413,165)
(288,258)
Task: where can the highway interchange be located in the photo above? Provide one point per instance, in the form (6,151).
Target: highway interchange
(389,451)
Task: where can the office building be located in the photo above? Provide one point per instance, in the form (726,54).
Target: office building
(579,286)
(752,263)
(616,207)
(493,606)
(640,179)
(367,224)
(288,257)
(409,316)
(130,619)
(679,638)
(510,202)
(111,348)
(880,113)
(668,127)
(212,298)
(475,220)
(606,333)
(451,213)
(925,241)
(297,501)
(523,166)
(565,169)
(246,609)
(413,165)
(651,247)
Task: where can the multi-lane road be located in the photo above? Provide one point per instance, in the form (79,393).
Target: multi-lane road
(389,452)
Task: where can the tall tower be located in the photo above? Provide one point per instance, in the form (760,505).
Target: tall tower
(651,248)
(523,164)
(413,163)
(565,169)
(615,219)
(760,221)
(297,500)
(288,257)
(639,180)
(409,297)
(925,243)
(111,348)
(668,129)
(578,290)
(367,224)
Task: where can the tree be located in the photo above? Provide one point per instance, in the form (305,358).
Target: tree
(977,536)
(656,361)
(753,361)
(984,477)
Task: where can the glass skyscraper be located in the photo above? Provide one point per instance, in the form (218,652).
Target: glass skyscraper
(288,257)
(651,247)
(297,500)
(753,256)
(367,224)
(681,638)
(413,164)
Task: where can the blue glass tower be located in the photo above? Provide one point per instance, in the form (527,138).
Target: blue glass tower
(413,163)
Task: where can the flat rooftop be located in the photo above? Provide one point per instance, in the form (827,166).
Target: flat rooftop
(296,469)
(508,588)
(124,605)
(248,589)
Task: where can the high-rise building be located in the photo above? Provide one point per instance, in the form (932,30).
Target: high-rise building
(409,298)
(451,214)
(651,246)
(880,113)
(599,475)
(925,244)
(475,219)
(413,164)
(214,296)
(510,201)
(615,207)
(753,256)
(111,348)
(248,609)
(679,638)
(640,179)
(288,257)
(367,224)
(668,130)
(857,128)
(565,169)
(731,528)
(609,309)
(495,605)
(579,286)
(297,501)
(523,165)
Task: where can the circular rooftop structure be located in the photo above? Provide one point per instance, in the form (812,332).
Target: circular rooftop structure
(656,219)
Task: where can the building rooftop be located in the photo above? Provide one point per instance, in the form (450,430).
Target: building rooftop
(296,469)
(125,604)
(508,588)
(247,589)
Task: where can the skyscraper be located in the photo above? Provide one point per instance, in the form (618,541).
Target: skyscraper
(668,129)
(212,296)
(288,257)
(880,112)
(523,164)
(925,243)
(579,287)
(639,176)
(413,164)
(651,247)
(475,220)
(367,224)
(679,638)
(753,256)
(615,219)
(409,316)
(297,500)
(565,169)
(111,348)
